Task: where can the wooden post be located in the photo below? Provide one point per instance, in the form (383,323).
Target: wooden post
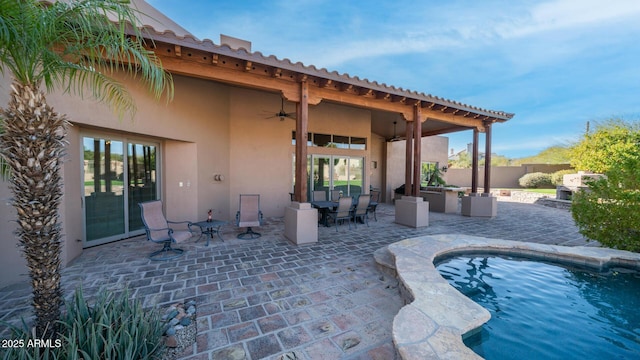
(417,146)
(408,158)
(302,130)
(474,162)
(487,158)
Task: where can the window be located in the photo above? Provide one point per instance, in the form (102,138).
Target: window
(341,142)
(358,143)
(322,140)
(333,141)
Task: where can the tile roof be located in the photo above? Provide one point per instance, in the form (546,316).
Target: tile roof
(173,33)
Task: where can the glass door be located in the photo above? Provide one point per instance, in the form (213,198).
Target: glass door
(342,173)
(356,171)
(142,183)
(117,176)
(103,189)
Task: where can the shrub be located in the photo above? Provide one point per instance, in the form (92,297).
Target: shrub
(609,211)
(556,177)
(536,180)
(115,327)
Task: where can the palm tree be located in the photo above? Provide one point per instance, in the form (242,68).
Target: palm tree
(74,46)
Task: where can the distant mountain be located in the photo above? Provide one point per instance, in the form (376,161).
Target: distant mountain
(551,155)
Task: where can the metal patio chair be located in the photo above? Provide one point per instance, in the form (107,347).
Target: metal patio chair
(157,228)
(373,204)
(362,209)
(342,212)
(249,215)
(319,195)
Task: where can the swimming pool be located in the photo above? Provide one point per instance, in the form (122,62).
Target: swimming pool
(436,316)
(545,311)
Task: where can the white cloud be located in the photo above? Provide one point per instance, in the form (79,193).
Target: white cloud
(552,22)
(566,14)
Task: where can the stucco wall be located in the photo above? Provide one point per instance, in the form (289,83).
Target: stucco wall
(261,155)
(193,133)
(377,163)
(13,266)
(501,176)
(208,129)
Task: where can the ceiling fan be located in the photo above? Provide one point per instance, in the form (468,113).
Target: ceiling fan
(282,114)
(395,136)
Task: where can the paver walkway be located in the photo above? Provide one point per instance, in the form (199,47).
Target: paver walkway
(268,298)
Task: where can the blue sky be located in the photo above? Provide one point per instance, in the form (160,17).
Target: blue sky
(556,64)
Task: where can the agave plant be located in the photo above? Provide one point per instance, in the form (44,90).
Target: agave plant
(73,46)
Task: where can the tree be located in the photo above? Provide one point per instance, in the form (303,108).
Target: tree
(608,145)
(74,46)
(462,162)
(609,210)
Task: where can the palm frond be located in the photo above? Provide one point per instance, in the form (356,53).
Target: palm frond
(77,46)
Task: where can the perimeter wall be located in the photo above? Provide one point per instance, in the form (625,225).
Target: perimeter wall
(501,176)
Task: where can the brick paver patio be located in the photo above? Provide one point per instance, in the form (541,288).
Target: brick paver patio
(268,298)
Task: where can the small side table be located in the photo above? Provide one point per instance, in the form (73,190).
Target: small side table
(209,228)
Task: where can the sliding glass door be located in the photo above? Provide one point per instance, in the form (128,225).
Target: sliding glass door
(343,173)
(348,175)
(142,183)
(117,175)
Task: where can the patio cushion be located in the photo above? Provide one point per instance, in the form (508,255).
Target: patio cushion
(181,236)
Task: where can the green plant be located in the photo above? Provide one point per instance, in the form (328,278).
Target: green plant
(432,175)
(114,327)
(609,210)
(556,177)
(535,180)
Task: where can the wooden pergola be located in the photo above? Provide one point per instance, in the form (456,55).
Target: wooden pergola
(423,115)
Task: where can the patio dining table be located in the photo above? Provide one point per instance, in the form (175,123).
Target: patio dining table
(324,207)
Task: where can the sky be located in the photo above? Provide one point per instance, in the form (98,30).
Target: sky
(556,64)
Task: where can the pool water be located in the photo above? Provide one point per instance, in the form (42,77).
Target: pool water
(545,311)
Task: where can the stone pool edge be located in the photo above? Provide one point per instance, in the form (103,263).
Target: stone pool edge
(436,316)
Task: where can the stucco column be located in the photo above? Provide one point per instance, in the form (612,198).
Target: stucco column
(487,158)
(474,162)
(302,129)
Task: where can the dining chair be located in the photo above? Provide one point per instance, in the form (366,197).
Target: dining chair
(319,195)
(373,204)
(342,212)
(362,209)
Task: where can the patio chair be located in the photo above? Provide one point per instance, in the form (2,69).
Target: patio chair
(373,204)
(362,209)
(319,195)
(335,195)
(342,212)
(249,215)
(157,228)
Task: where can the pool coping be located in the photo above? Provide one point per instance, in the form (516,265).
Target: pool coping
(436,316)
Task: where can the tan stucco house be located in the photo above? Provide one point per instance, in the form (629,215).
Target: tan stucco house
(220,137)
